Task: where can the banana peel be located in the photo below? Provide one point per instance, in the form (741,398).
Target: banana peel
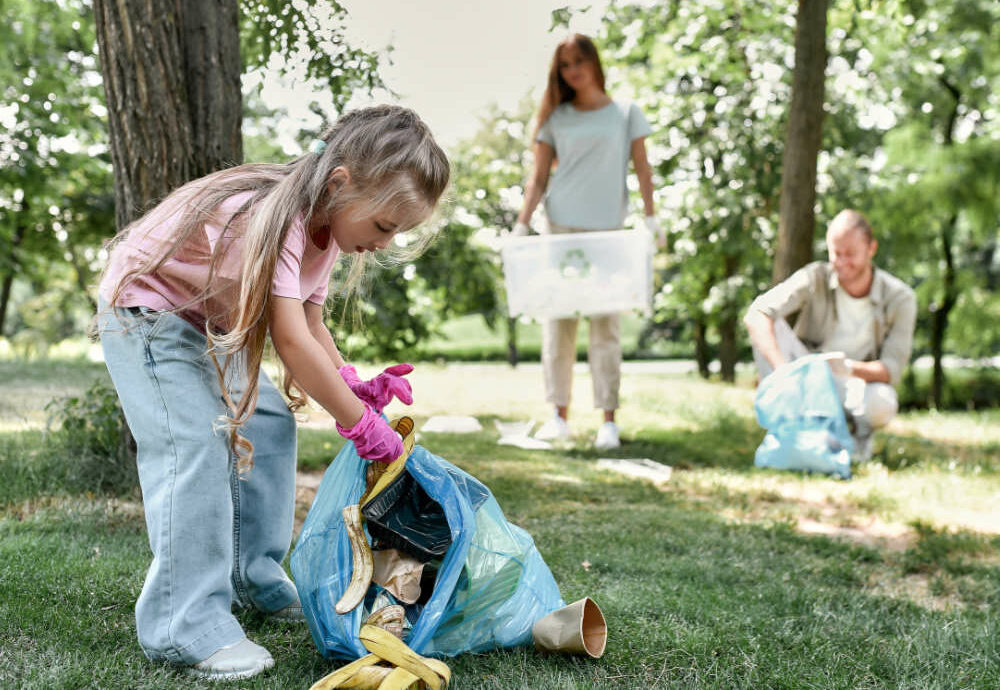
(405,669)
(379,474)
(388,647)
(362,562)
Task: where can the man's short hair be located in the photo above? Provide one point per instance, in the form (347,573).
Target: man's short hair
(849,219)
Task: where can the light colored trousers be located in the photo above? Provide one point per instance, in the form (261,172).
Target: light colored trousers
(217,539)
(604,353)
(870,404)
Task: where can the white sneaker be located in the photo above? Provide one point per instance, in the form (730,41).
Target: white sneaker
(292,613)
(607,436)
(241,660)
(555,428)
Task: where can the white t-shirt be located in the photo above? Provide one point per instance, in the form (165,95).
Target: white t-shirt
(855,331)
(587,189)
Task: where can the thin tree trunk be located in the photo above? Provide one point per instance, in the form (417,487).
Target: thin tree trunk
(797,222)
(512,354)
(727,348)
(941,310)
(8,279)
(701,354)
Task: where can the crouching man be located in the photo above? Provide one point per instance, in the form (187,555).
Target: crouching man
(861,317)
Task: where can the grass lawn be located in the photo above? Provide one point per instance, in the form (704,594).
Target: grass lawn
(725,576)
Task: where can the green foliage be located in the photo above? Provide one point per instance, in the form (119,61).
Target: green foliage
(309,33)
(88,431)
(55,175)
(712,85)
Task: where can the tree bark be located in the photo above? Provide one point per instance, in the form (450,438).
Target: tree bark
(8,279)
(797,222)
(171,72)
(512,353)
(941,311)
(701,351)
(949,297)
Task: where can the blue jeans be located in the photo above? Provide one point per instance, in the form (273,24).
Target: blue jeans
(218,539)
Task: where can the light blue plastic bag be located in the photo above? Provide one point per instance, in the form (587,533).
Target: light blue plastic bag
(491,587)
(806,428)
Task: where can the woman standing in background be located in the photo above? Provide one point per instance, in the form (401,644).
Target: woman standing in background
(591,137)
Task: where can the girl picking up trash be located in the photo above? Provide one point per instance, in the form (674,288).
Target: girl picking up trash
(192,292)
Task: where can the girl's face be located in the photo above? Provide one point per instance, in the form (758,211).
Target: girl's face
(357,230)
(575,69)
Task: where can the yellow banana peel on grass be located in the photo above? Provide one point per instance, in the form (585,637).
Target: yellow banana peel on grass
(391,665)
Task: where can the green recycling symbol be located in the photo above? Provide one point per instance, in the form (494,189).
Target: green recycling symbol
(574,264)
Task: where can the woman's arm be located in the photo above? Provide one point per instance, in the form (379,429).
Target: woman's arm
(644,171)
(544,155)
(307,354)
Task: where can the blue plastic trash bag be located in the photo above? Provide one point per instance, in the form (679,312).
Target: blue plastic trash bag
(804,417)
(491,587)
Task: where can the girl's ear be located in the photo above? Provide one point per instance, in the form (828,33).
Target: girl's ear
(339,177)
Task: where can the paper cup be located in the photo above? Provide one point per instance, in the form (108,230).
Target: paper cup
(575,629)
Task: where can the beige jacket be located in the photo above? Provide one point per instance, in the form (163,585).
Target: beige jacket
(811,293)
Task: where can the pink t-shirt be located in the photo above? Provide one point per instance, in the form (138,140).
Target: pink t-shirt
(302,271)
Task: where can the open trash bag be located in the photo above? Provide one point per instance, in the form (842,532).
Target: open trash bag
(806,428)
(489,587)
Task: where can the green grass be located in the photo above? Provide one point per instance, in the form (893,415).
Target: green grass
(468,338)
(718,579)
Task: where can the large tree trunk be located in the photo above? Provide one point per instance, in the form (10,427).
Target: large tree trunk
(171,73)
(796,226)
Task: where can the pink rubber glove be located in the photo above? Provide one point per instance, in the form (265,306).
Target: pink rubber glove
(379,391)
(373,439)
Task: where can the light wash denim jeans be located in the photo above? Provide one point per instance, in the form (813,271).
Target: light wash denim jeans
(218,540)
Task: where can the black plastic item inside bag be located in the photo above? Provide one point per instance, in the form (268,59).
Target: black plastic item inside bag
(402,516)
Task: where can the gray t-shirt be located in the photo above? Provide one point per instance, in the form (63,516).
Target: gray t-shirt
(587,189)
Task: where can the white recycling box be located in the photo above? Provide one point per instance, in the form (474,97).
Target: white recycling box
(577,274)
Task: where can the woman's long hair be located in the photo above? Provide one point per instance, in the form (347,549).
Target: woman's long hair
(557,91)
(393,164)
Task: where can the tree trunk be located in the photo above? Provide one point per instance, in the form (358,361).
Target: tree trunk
(172,82)
(728,329)
(940,312)
(796,225)
(512,355)
(171,72)
(8,279)
(728,351)
(701,354)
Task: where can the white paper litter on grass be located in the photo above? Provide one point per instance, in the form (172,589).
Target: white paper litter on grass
(452,425)
(640,468)
(516,434)
(525,442)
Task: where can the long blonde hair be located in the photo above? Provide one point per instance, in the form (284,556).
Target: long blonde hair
(557,91)
(392,161)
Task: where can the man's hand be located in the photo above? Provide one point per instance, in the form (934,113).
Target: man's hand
(838,363)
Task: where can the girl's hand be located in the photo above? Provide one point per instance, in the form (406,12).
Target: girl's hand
(373,438)
(379,391)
